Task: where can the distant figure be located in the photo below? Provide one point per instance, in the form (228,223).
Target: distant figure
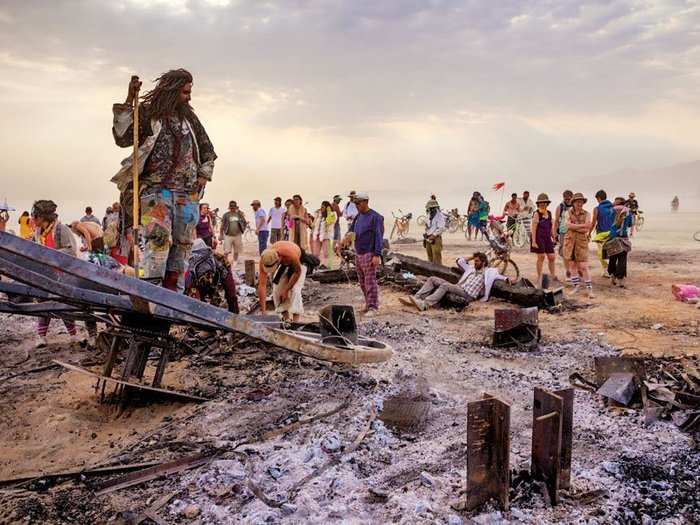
(275,219)
(432,238)
(674,203)
(89,217)
(26,226)
(262,230)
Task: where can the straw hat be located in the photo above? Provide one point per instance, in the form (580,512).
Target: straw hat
(543,197)
(431,204)
(578,196)
(270,260)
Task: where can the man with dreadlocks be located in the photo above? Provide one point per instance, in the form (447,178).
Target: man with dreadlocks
(176,160)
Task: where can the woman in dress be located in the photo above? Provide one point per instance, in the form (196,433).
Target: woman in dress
(299,217)
(472,218)
(543,235)
(328,220)
(576,239)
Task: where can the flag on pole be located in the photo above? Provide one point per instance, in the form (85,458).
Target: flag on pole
(498,186)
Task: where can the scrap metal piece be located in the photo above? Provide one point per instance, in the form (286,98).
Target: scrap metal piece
(405,412)
(488,452)
(567,436)
(171,393)
(620,387)
(338,325)
(604,366)
(158,471)
(249,278)
(516,327)
(547,412)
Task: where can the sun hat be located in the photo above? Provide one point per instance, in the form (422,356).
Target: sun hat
(270,260)
(337,198)
(432,203)
(542,197)
(578,196)
(361,196)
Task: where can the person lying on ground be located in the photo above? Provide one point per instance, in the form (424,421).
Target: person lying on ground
(207,274)
(476,283)
(282,262)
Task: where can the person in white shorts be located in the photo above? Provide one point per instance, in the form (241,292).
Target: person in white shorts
(233,225)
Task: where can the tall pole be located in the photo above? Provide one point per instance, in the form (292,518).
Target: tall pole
(135,177)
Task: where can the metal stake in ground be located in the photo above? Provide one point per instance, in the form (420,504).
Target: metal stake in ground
(546,440)
(488,452)
(135,181)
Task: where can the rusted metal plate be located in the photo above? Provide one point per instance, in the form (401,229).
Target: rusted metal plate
(546,440)
(338,325)
(250,272)
(488,452)
(620,387)
(567,436)
(508,318)
(405,413)
(604,366)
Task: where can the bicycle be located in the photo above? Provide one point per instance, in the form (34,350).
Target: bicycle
(696,236)
(499,252)
(402,224)
(518,234)
(455,222)
(638,221)
(249,234)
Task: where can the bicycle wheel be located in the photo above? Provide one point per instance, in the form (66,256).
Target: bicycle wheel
(422,221)
(521,237)
(452,226)
(393,230)
(639,222)
(507,267)
(696,236)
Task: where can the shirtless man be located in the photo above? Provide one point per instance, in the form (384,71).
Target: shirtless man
(282,262)
(91,234)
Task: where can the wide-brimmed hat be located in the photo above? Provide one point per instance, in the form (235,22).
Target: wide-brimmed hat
(542,197)
(431,204)
(361,196)
(337,198)
(578,196)
(270,260)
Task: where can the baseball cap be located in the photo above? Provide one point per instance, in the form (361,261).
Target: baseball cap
(361,196)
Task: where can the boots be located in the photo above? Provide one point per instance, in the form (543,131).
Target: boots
(170,280)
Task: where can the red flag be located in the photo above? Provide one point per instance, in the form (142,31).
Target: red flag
(498,186)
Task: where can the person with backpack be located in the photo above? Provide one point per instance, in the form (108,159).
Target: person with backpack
(207,274)
(560,227)
(233,224)
(602,221)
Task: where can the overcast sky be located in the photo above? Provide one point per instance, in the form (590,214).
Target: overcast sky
(398,97)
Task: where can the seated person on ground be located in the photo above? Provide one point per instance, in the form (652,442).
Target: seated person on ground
(282,262)
(475,283)
(207,273)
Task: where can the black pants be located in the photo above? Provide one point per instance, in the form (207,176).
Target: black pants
(617,265)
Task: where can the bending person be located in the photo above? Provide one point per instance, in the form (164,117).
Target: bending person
(282,262)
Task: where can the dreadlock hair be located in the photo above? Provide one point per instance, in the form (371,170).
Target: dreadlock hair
(45,209)
(164,99)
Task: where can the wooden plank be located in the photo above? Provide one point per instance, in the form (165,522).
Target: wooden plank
(250,272)
(488,452)
(158,471)
(546,440)
(98,471)
(567,436)
(171,393)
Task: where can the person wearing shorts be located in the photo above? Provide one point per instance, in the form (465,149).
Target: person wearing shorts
(578,226)
(542,237)
(232,228)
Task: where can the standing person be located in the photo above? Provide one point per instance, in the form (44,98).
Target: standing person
(108,211)
(89,217)
(287,222)
(262,230)
(544,234)
(300,222)
(367,231)
(620,229)
(350,210)
(26,227)
(338,214)
(282,262)
(603,217)
(50,232)
(675,203)
(177,162)
(205,226)
(328,221)
(527,208)
(233,224)
(632,205)
(315,235)
(484,209)
(578,234)
(432,238)
(473,218)
(560,226)
(275,220)
(512,211)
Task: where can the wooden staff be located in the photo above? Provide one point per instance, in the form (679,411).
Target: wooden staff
(135,177)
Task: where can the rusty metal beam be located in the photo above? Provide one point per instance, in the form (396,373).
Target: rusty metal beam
(547,410)
(488,452)
(567,436)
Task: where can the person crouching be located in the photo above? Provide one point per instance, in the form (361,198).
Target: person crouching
(207,273)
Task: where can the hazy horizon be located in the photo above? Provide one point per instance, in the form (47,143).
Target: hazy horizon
(399,98)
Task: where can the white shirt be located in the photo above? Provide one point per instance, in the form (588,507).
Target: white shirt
(350,212)
(526,209)
(276,217)
(437,224)
(491,275)
(261,218)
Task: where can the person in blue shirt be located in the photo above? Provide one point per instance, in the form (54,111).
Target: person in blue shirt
(367,232)
(622,223)
(602,220)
